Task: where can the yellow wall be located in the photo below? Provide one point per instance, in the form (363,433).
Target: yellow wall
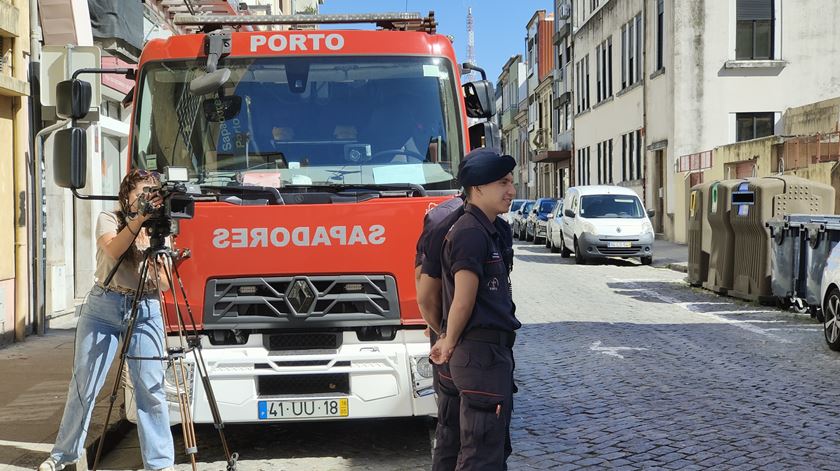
(7,191)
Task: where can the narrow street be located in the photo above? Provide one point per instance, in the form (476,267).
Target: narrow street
(619,366)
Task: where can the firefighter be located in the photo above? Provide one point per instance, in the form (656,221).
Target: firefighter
(479,322)
(427,264)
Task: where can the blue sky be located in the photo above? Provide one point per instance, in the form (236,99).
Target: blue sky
(499,25)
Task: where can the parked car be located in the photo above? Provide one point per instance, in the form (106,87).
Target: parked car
(535,224)
(554,228)
(830,289)
(606,221)
(518,224)
(514,206)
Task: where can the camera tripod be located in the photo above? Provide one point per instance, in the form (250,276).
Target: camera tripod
(158,256)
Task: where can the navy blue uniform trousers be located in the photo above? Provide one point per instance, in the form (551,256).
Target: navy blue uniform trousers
(475,401)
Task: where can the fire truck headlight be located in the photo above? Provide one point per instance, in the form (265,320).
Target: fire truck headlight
(423,366)
(169,384)
(421,374)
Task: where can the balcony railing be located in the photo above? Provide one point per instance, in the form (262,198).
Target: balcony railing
(565,140)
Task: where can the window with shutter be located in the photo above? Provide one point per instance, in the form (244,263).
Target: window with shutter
(754,29)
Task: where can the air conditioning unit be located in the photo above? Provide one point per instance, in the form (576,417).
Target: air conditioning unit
(565,11)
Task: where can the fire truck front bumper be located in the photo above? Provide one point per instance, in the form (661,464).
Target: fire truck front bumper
(356,380)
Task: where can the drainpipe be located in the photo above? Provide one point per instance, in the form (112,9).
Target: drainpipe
(35,246)
(41,314)
(645,83)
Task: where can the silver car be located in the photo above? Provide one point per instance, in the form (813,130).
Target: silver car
(554,228)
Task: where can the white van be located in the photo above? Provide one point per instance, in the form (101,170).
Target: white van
(606,221)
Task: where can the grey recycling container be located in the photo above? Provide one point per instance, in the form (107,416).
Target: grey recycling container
(787,256)
(754,203)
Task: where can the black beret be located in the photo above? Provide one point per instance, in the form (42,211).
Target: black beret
(482,166)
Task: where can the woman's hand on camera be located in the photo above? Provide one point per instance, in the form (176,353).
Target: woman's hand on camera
(155,202)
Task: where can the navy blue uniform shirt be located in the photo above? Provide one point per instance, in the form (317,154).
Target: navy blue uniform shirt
(475,244)
(431,241)
(437,217)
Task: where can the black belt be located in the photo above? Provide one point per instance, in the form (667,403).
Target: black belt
(498,337)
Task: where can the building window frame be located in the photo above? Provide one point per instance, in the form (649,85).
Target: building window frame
(604,71)
(660,34)
(631,52)
(582,82)
(749,125)
(583,173)
(632,155)
(754,18)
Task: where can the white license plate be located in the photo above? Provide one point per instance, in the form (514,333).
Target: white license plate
(280,410)
(616,245)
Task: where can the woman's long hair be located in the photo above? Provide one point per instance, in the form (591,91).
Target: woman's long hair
(131,180)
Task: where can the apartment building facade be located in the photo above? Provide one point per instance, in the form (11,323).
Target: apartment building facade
(658,81)
(562,105)
(609,95)
(511,81)
(540,61)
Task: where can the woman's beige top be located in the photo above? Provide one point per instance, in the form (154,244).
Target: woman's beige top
(128,274)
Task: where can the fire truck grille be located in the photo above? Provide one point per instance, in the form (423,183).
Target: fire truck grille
(301,301)
(280,385)
(302,341)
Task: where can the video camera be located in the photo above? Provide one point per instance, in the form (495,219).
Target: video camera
(178,202)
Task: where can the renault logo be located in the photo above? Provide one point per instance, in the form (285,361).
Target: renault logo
(300,296)
(618,229)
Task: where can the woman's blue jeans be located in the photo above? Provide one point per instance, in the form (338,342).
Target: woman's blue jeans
(103,321)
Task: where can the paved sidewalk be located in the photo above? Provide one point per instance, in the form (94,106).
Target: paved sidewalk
(670,255)
(35,376)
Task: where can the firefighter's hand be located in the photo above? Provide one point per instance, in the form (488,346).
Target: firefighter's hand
(442,350)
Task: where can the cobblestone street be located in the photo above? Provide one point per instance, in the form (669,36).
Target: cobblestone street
(619,366)
(626,367)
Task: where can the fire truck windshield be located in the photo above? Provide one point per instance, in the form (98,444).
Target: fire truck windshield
(282,121)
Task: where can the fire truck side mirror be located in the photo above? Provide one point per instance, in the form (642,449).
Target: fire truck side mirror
(72,99)
(70,158)
(480,99)
(485,134)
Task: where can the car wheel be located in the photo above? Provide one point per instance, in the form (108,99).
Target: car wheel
(515,231)
(548,243)
(831,326)
(647,260)
(580,259)
(564,252)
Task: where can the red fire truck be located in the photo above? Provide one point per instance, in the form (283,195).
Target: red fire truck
(317,153)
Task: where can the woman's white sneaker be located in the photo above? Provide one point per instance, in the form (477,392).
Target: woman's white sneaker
(50,465)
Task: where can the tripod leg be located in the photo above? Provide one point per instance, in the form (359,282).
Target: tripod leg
(123,354)
(201,367)
(181,379)
(176,364)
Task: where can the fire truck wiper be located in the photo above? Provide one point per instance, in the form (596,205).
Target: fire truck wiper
(273,194)
(399,189)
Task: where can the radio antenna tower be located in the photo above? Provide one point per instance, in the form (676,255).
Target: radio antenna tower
(471,44)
